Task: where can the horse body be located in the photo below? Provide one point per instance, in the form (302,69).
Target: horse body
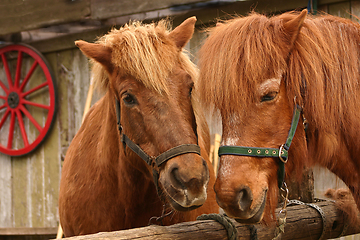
(255,70)
(106,186)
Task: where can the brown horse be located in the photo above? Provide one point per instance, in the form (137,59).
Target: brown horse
(256,70)
(107,179)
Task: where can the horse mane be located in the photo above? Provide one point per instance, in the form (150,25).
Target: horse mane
(145,52)
(321,67)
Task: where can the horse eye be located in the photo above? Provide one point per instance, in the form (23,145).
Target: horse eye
(269,96)
(129,99)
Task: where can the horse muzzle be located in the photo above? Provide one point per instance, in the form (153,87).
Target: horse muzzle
(185,187)
(241,205)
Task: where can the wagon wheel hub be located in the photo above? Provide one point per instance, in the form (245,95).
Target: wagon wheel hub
(13,100)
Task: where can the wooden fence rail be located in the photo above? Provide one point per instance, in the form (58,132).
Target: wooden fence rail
(303,222)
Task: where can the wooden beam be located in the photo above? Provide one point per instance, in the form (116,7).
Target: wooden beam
(303,221)
(27,231)
(67,41)
(19,15)
(103,9)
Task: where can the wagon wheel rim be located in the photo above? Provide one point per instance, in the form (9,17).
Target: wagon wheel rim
(20,91)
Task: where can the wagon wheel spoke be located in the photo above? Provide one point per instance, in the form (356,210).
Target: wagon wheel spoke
(3,87)
(22,128)
(36,104)
(3,119)
(2,106)
(11,130)
(7,70)
(28,75)
(35,89)
(31,118)
(18,69)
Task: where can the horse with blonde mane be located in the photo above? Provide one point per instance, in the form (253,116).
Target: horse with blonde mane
(263,74)
(110,179)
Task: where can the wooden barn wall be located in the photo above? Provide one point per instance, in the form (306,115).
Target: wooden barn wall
(29,185)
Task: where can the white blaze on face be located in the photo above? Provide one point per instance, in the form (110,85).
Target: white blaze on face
(226,167)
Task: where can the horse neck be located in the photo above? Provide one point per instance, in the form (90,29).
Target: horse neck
(108,141)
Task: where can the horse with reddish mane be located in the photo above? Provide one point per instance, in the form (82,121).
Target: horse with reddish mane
(256,70)
(149,109)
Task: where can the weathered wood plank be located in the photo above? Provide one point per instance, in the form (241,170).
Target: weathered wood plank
(27,231)
(21,182)
(303,222)
(340,9)
(5,191)
(36,202)
(102,9)
(5,169)
(355,10)
(67,42)
(73,83)
(19,15)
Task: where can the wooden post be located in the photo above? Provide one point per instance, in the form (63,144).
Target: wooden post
(216,151)
(303,221)
(88,99)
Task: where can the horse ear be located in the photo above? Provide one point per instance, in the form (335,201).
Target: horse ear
(292,26)
(98,52)
(183,33)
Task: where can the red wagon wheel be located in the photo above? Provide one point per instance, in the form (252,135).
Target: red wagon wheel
(27,99)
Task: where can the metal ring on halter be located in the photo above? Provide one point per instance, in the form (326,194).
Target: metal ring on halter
(281,152)
(283,211)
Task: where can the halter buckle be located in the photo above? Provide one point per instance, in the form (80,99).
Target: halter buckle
(281,151)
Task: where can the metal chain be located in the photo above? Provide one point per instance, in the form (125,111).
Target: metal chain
(282,215)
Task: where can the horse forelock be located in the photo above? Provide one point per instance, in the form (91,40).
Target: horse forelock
(144,52)
(233,59)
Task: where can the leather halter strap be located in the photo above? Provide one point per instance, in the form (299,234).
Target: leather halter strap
(163,157)
(281,152)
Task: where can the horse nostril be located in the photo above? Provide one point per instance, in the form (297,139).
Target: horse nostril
(245,198)
(175,178)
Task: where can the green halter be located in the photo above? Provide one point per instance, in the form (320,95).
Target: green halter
(281,153)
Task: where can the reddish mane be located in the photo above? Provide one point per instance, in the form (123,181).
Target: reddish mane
(319,65)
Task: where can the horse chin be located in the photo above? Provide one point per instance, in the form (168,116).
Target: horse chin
(182,199)
(180,208)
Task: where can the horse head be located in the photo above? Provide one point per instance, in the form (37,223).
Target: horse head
(152,81)
(256,111)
